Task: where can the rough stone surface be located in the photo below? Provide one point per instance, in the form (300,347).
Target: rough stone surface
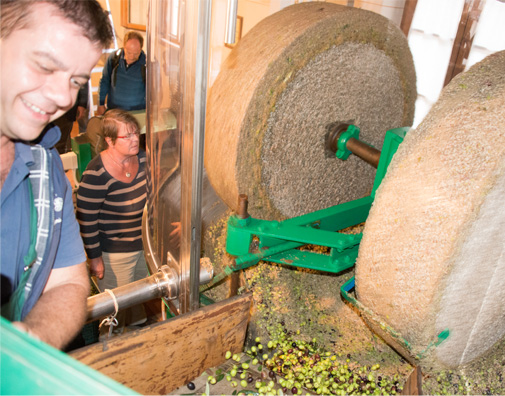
(344,84)
(432,255)
(294,73)
(264,72)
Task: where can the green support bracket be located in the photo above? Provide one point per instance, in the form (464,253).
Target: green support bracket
(342,151)
(279,241)
(392,141)
(238,239)
(334,262)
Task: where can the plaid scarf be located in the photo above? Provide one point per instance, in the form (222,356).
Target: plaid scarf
(43,200)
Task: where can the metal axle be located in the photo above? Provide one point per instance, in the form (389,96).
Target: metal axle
(163,284)
(367,153)
(342,139)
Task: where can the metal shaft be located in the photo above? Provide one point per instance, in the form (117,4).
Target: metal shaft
(164,283)
(231,22)
(364,151)
(242,206)
(367,153)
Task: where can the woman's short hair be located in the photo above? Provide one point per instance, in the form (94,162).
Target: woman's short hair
(112,121)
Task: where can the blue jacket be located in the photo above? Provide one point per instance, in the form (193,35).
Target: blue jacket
(124,88)
(65,248)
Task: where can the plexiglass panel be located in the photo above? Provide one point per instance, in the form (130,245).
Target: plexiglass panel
(170,94)
(164,117)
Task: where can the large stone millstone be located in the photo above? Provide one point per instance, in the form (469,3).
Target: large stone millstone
(295,73)
(432,257)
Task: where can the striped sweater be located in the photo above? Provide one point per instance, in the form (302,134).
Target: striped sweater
(110,211)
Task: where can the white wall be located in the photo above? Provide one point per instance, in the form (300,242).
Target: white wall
(431,38)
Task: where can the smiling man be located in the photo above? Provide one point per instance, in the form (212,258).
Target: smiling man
(48,49)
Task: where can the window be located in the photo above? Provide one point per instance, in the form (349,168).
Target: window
(134,14)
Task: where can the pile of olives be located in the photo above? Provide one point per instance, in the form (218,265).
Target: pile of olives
(289,366)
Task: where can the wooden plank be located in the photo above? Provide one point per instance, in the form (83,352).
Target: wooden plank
(408,14)
(167,355)
(234,283)
(413,386)
(464,38)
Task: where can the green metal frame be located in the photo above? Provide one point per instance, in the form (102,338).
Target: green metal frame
(279,241)
(342,152)
(31,367)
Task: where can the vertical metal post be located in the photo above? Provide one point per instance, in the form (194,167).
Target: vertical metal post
(231,22)
(196,55)
(201,72)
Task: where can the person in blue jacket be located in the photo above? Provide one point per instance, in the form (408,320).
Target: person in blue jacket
(123,82)
(48,49)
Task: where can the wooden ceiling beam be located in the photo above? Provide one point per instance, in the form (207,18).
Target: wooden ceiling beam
(408,14)
(464,38)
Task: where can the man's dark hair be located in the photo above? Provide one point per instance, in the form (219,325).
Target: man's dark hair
(88,15)
(133,35)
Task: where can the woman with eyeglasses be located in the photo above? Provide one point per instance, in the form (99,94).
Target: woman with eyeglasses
(110,202)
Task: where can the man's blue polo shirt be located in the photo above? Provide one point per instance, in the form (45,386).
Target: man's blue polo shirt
(65,249)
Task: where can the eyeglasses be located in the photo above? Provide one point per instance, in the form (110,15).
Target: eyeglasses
(130,136)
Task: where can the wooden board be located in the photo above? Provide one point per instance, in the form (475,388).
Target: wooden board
(167,355)
(464,38)
(414,384)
